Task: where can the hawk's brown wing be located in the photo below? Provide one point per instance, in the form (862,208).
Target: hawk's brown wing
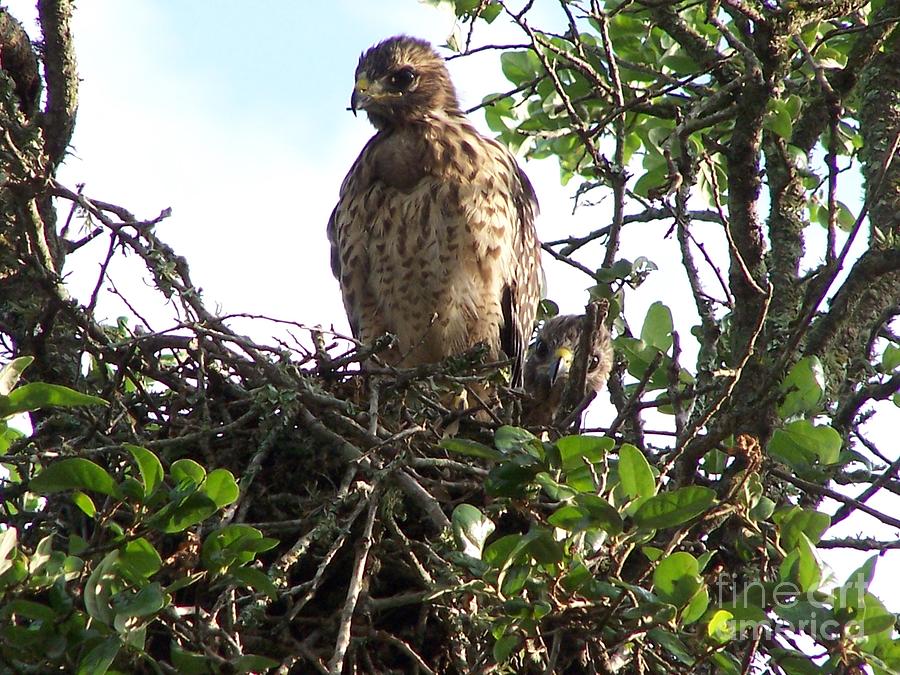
(433,240)
(522,294)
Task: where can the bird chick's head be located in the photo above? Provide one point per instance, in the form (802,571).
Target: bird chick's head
(550,359)
(402,80)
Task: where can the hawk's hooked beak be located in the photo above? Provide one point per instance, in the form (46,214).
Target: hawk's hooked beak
(560,366)
(363,92)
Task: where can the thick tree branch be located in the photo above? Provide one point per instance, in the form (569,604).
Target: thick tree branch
(61,75)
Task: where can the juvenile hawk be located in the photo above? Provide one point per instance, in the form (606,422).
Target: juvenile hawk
(549,360)
(433,236)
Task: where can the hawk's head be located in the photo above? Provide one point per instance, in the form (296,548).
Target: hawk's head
(402,80)
(549,360)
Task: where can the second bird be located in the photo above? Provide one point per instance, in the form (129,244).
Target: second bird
(549,361)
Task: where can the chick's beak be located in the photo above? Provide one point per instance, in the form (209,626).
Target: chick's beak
(561,364)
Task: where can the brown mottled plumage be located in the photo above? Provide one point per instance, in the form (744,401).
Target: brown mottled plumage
(433,236)
(549,359)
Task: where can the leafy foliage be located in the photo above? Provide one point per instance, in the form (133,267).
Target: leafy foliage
(80,605)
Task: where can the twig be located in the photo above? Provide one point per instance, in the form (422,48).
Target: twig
(821,490)
(695,453)
(569,261)
(829,276)
(336,663)
(636,394)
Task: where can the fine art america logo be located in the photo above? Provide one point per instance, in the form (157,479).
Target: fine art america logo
(822,615)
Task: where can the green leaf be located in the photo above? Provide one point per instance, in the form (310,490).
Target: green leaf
(463,446)
(499,552)
(178,517)
(146,602)
(85,503)
(471,528)
(890,360)
(635,474)
(576,450)
(187,663)
(187,470)
(810,616)
(600,513)
(505,646)
(653,554)
(75,473)
(221,487)
(658,326)
(845,218)
(28,609)
(697,606)
(511,581)
(100,587)
(674,508)
(8,436)
(520,66)
(720,627)
(233,545)
(11,372)
(508,438)
(511,479)
(8,541)
(800,444)
(672,644)
(149,465)
(804,387)
(875,618)
(567,517)
(542,546)
(253,663)
(256,580)
(809,570)
(852,593)
(140,558)
(554,489)
(778,120)
(676,578)
(796,521)
(98,660)
(38,395)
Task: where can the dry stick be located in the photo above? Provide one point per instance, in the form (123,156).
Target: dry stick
(594,313)
(423,498)
(876,485)
(735,378)
(636,394)
(732,245)
(823,491)
(484,406)
(875,390)
(859,544)
(831,157)
(569,261)
(312,586)
(405,648)
(336,664)
(617,177)
(580,408)
(554,652)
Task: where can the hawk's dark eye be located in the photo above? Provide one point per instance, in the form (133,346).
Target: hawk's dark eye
(403,78)
(594,363)
(541,349)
